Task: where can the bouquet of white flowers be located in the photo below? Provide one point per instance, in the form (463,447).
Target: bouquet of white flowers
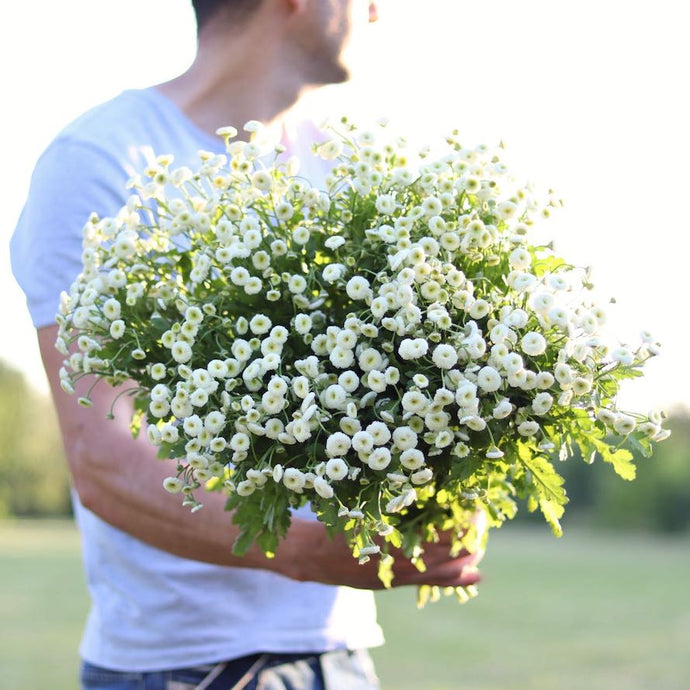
(391,348)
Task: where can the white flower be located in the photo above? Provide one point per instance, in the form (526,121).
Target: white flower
(297,284)
(362,442)
(300,235)
(349,381)
(542,403)
(341,358)
(606,416)
(334,242)
(520,259)
(376,380)
(479,309)
(420,380)
(533,343)
(169,433)
(582,385)
(303,323)
(246,488)
(404,437)
(272,403)
(338,444)
(260,324)
(274,428)
(488,379)
(474,422)
(379,433)
(412,459)
(112,309)
(300,429)
(422,476)
(517,318)
(624,424)
(528,428)
(413,348)
(385,204)
(358,288)
(294,479)
(117,329)
(239,441)
(181,352)
(565,398)
(239,275)
(334,397)
(436,420)
(623,356)
(193,425)
(559,315)
(193,315)
(444,356)
(160,392)
(370,359)
(336,469)
(414,401)
(173,485)
(564,374)
(379,306)
(333,272)
(544,380)
(323,488)
(466,394)
(350,425)
(160,408)
(503,409)
(379,458)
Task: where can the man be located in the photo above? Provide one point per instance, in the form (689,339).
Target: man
(171,604)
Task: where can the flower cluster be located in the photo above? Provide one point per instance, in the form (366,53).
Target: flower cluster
(387,346)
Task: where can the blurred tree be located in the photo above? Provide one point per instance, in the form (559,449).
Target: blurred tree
(34,480)
(659,498)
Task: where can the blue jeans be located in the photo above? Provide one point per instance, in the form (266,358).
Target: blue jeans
(337,670)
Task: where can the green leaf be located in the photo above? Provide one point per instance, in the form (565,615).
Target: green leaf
(552,513)
(136,421)
(244,540)
(385,572)
(547,481)
(620,458)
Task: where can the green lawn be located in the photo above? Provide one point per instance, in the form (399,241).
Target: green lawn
(589,611)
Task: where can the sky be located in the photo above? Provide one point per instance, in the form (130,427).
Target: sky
(588,97)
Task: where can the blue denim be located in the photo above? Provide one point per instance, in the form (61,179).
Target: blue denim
(338,670)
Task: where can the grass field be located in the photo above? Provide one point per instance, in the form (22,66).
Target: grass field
(591,611)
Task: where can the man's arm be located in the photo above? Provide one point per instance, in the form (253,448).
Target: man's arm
(120,479)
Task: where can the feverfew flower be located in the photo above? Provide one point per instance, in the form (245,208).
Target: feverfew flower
(533,344)
(390,346)
(444,356)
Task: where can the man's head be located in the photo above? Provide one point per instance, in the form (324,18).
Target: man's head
(205,10)
(315,33)
(322,31)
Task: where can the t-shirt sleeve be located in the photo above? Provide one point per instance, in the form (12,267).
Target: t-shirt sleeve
(71,180)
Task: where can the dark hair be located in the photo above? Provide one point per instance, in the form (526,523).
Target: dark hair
(207,9)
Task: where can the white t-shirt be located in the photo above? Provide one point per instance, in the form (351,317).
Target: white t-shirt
(152,610)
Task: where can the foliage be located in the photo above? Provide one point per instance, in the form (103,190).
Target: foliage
(34,477)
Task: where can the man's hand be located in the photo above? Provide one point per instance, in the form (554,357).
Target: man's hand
(319,558)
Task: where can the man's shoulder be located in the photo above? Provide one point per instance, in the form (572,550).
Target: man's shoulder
(115,125)
(127,132)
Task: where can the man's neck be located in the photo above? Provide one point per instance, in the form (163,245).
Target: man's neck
(248,75)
